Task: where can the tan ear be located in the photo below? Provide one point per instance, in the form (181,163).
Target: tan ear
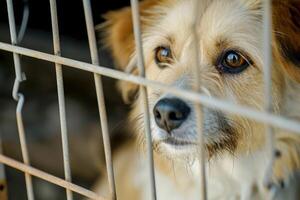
(118,35)
(118,31)
(119,38)
(286,25)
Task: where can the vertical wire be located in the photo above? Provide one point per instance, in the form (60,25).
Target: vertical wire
(100,97)
(24,23)
(19,98)
(198,107)
(61,96)
(143,89)
(267,53)
(28,178)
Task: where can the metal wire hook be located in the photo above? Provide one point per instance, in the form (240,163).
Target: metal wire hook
(18,96)
(20,76)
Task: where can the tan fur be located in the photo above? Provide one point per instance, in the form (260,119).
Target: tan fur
(287,41)
(124,161)
(119,32)
(119,38)
(223,24)
(289,160)
(287,35)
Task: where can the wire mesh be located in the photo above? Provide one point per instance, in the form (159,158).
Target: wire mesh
(267,117)
(210,102)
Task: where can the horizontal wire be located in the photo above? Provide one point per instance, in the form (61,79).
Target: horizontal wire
(210,102)
(48,177)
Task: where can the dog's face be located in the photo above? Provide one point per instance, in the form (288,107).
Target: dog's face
(230,61)
(230,65)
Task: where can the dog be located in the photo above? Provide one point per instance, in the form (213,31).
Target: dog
(230,65)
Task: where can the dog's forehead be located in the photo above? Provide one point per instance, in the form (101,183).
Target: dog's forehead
(217,16)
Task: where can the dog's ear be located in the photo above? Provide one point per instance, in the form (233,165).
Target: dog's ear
(119,38)
(118,35)
(286,25)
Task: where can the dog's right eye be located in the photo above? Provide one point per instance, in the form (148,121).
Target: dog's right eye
(163,55)
(233,62)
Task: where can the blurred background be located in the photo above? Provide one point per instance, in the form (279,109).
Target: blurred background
(40,111)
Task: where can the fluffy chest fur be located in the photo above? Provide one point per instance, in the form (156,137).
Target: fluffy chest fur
(227,177)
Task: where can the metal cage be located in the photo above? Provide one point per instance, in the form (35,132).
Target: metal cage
(198,98)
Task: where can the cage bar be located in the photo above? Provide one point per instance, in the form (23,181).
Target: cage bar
(198,108)
(100,97)
(61,96)
(267,53)
(19,97)
(143,92)
(210,102)
(267,39)
(50,178)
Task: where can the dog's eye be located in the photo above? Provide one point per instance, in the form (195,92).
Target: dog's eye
(163,55)
(233,62)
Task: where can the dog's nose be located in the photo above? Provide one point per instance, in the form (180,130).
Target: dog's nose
(170,113)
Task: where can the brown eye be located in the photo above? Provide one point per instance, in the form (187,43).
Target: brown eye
(163,55)
(233,62)
(234,59)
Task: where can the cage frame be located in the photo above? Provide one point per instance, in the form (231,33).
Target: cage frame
(200,99)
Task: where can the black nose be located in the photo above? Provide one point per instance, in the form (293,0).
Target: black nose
(170,113)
